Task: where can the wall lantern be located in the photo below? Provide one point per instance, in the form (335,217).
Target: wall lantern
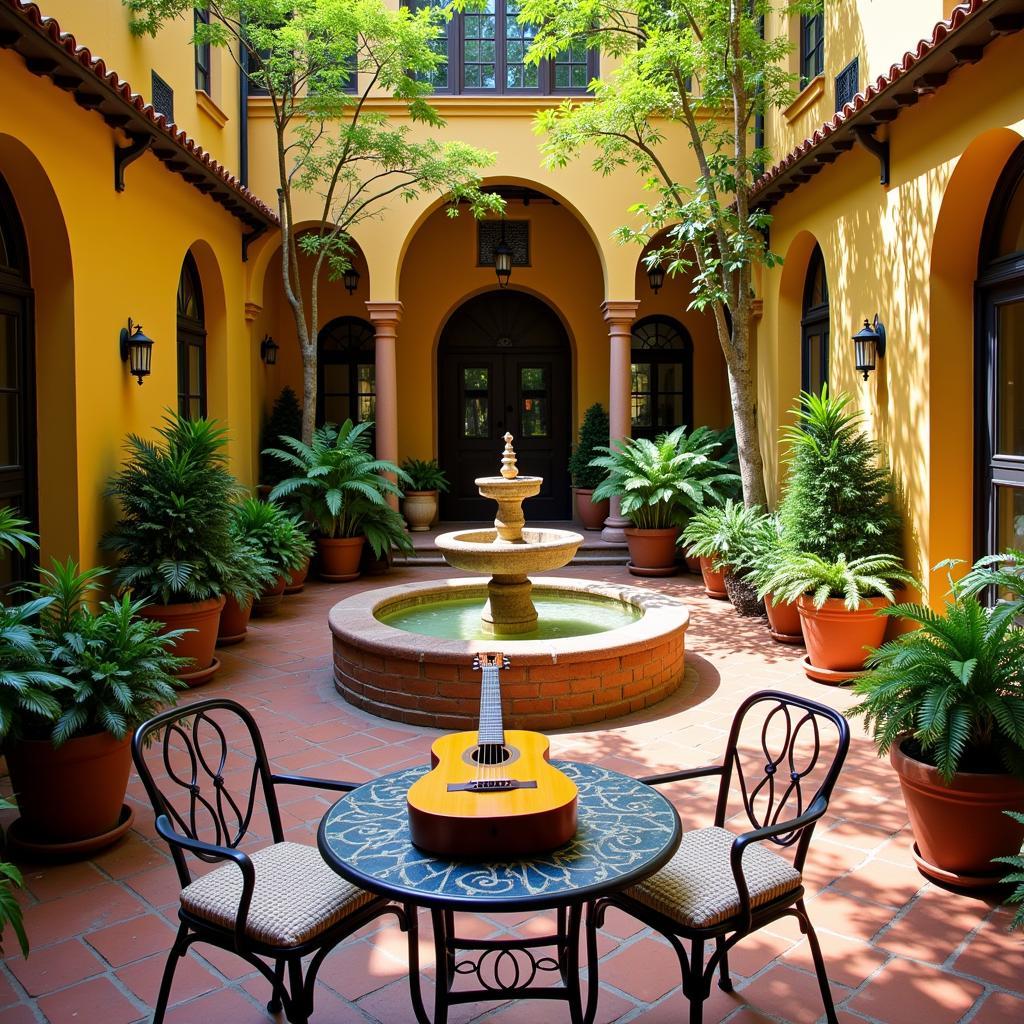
(268,350)
(503,259)
(868,343)
(136,350)
(351,279)
(656,277)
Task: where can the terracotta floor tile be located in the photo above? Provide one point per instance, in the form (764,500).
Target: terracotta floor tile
(53,967)
(994,955)
(754,952)
(51,881)
(84,911)
(847,961)
(132,855)
(881,881)
(912,993)
(191,978)
(19,1014)
(856,919)
(225,1006)
(999,1008)
(159,886)
(131,940)
(646,969)
(356,968)
(8,994)
(789,994)
(934,926)
(92,1001)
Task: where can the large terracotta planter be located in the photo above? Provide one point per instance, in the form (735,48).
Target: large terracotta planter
(295,582)
(234,622)
(71,793)
(203,618)
(591,513)
(958,829)
(652,552)
(267,602)
(714,580)
(838,639)
(419,509)
(339,557)
(692,562)
(784,621)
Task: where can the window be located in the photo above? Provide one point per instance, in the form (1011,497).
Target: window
(202,17)
(847,83)
(812,47)
(163,97)
(814,326)
(662,376)
(346,371)
(191,342)
(485,54)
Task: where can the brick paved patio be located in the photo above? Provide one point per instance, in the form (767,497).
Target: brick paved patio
(900,950)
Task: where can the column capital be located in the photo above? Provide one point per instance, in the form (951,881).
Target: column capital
(252,310)
(620,311)
(384,312)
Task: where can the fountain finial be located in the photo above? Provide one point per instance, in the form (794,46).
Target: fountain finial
(508,460)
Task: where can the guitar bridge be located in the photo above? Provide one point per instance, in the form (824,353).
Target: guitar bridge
(490,785)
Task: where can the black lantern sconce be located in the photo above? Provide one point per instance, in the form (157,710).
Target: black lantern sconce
(136,350)
(351,279)
(268,350)
(868,343)
(503,259)
(656,277)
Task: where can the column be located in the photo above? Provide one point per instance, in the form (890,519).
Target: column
(619,315)
(385,317)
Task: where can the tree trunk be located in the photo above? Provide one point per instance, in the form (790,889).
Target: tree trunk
(744,415)
(308,392)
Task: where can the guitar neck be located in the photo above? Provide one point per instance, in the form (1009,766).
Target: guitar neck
(491,730)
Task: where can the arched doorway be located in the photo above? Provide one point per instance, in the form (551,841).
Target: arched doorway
(504,363)
(17,381)
(999,377)
(346,371)
(661,376)
(814,326)
(192,399)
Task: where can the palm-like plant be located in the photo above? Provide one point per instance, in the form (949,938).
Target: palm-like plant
(660,483)
(266,529)
(1015,878)
(766,550)
(10,909)
(383,528)
(27,685)
(14,534)
(802,573)
(726,534)
(338,475)
(425,475)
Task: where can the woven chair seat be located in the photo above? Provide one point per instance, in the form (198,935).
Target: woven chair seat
(296,896)
(697,888)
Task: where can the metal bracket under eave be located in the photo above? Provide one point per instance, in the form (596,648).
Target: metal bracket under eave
(249,237)
(879,147)
(125,155)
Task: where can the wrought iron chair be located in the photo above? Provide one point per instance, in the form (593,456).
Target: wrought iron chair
(280,902)
(721,886)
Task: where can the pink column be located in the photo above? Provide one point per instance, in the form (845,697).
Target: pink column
(385,317)
(619,315)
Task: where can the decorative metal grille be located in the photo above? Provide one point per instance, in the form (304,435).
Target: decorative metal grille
(163,97)
(848,83)
(517,237)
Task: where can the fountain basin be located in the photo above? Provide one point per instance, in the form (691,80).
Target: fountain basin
(553,683)
(484,552)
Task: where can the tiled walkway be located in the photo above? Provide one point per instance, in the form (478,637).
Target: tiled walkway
(899,950)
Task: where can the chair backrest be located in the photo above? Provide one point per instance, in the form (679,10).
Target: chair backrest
(206,749)
(802,747)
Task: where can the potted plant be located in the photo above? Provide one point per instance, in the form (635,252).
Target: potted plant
(385,533)
(838,603)
(426,481)
(767,546)
(336,472)
(1015,878)
(594,433)
(285,420)
(659,483)
(721,537)
(174,540)
(10,909)
(116,668)
(248,575)
(946,703)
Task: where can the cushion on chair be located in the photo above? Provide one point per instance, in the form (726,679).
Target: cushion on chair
(696,887)
(296,896)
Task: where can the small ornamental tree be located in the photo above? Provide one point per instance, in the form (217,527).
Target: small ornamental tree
(706,66)
(594,433)
(321,64)
(285,420)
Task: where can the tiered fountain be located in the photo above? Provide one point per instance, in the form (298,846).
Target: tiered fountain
(591,652)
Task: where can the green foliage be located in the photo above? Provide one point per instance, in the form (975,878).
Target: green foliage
(338,477)
(768,547)
(594,435)
(266,528)
(727,534)
(174,538)
(661,482)
(13,535)
(1004,572)
(839,494)
(383,528)
(1015,877)
(955,685)
(425,475)
(285,420)
(799,573)
(10,908)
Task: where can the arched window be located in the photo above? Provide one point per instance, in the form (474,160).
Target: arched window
(999,376)
(191,342)
(662,376)
(346,371)
(814,326)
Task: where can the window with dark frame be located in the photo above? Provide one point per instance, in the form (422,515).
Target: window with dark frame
(191,342)
(812,47)
(847,83)
(162,97)
(346,371)
(661,373)
(202,17)
(814,326)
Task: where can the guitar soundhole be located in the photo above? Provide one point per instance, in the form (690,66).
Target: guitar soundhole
(490,754)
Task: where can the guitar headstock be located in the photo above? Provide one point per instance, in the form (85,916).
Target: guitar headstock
(490,659)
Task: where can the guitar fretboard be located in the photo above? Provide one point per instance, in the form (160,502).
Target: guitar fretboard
(491,730)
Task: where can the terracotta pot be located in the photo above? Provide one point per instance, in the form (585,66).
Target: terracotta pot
(784,621)
(652,552)
(837,638)
(339,557)
(692,562)
(961,827)
(234,622)
(201,616)
(71,792)
(267,602)
(419,509)
(714,580)
(591,513)
(743,596)
(295,582)
(373,565)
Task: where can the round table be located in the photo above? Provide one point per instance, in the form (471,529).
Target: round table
(626,832)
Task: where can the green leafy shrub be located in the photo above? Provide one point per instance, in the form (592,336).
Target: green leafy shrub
(594,434)
(1015,877)
(268,532)
(285,420)
(799,573)
(383,528)
(726,534)
(767,549)
(10,909)
(425,475)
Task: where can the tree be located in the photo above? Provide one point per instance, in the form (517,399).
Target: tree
(321,64)
(706,66)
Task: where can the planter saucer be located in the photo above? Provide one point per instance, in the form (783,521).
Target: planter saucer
(20,842)
(345,577)
(834,677)
(715,595)
(796,639)
(227,641)
(669,570)
(951,878)
(297,588)
(201,676)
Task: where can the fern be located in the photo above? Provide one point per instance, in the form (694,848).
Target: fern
(796,574)
(728,535)
(275,536)
(1015,878)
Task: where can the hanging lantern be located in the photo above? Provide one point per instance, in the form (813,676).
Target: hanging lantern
(868,343)
(656,277)
(268,350)
(136,350)
(351,279)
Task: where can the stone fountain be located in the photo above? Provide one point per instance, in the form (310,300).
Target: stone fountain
(510,551)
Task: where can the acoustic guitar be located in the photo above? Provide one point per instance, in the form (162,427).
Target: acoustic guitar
(491,793)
